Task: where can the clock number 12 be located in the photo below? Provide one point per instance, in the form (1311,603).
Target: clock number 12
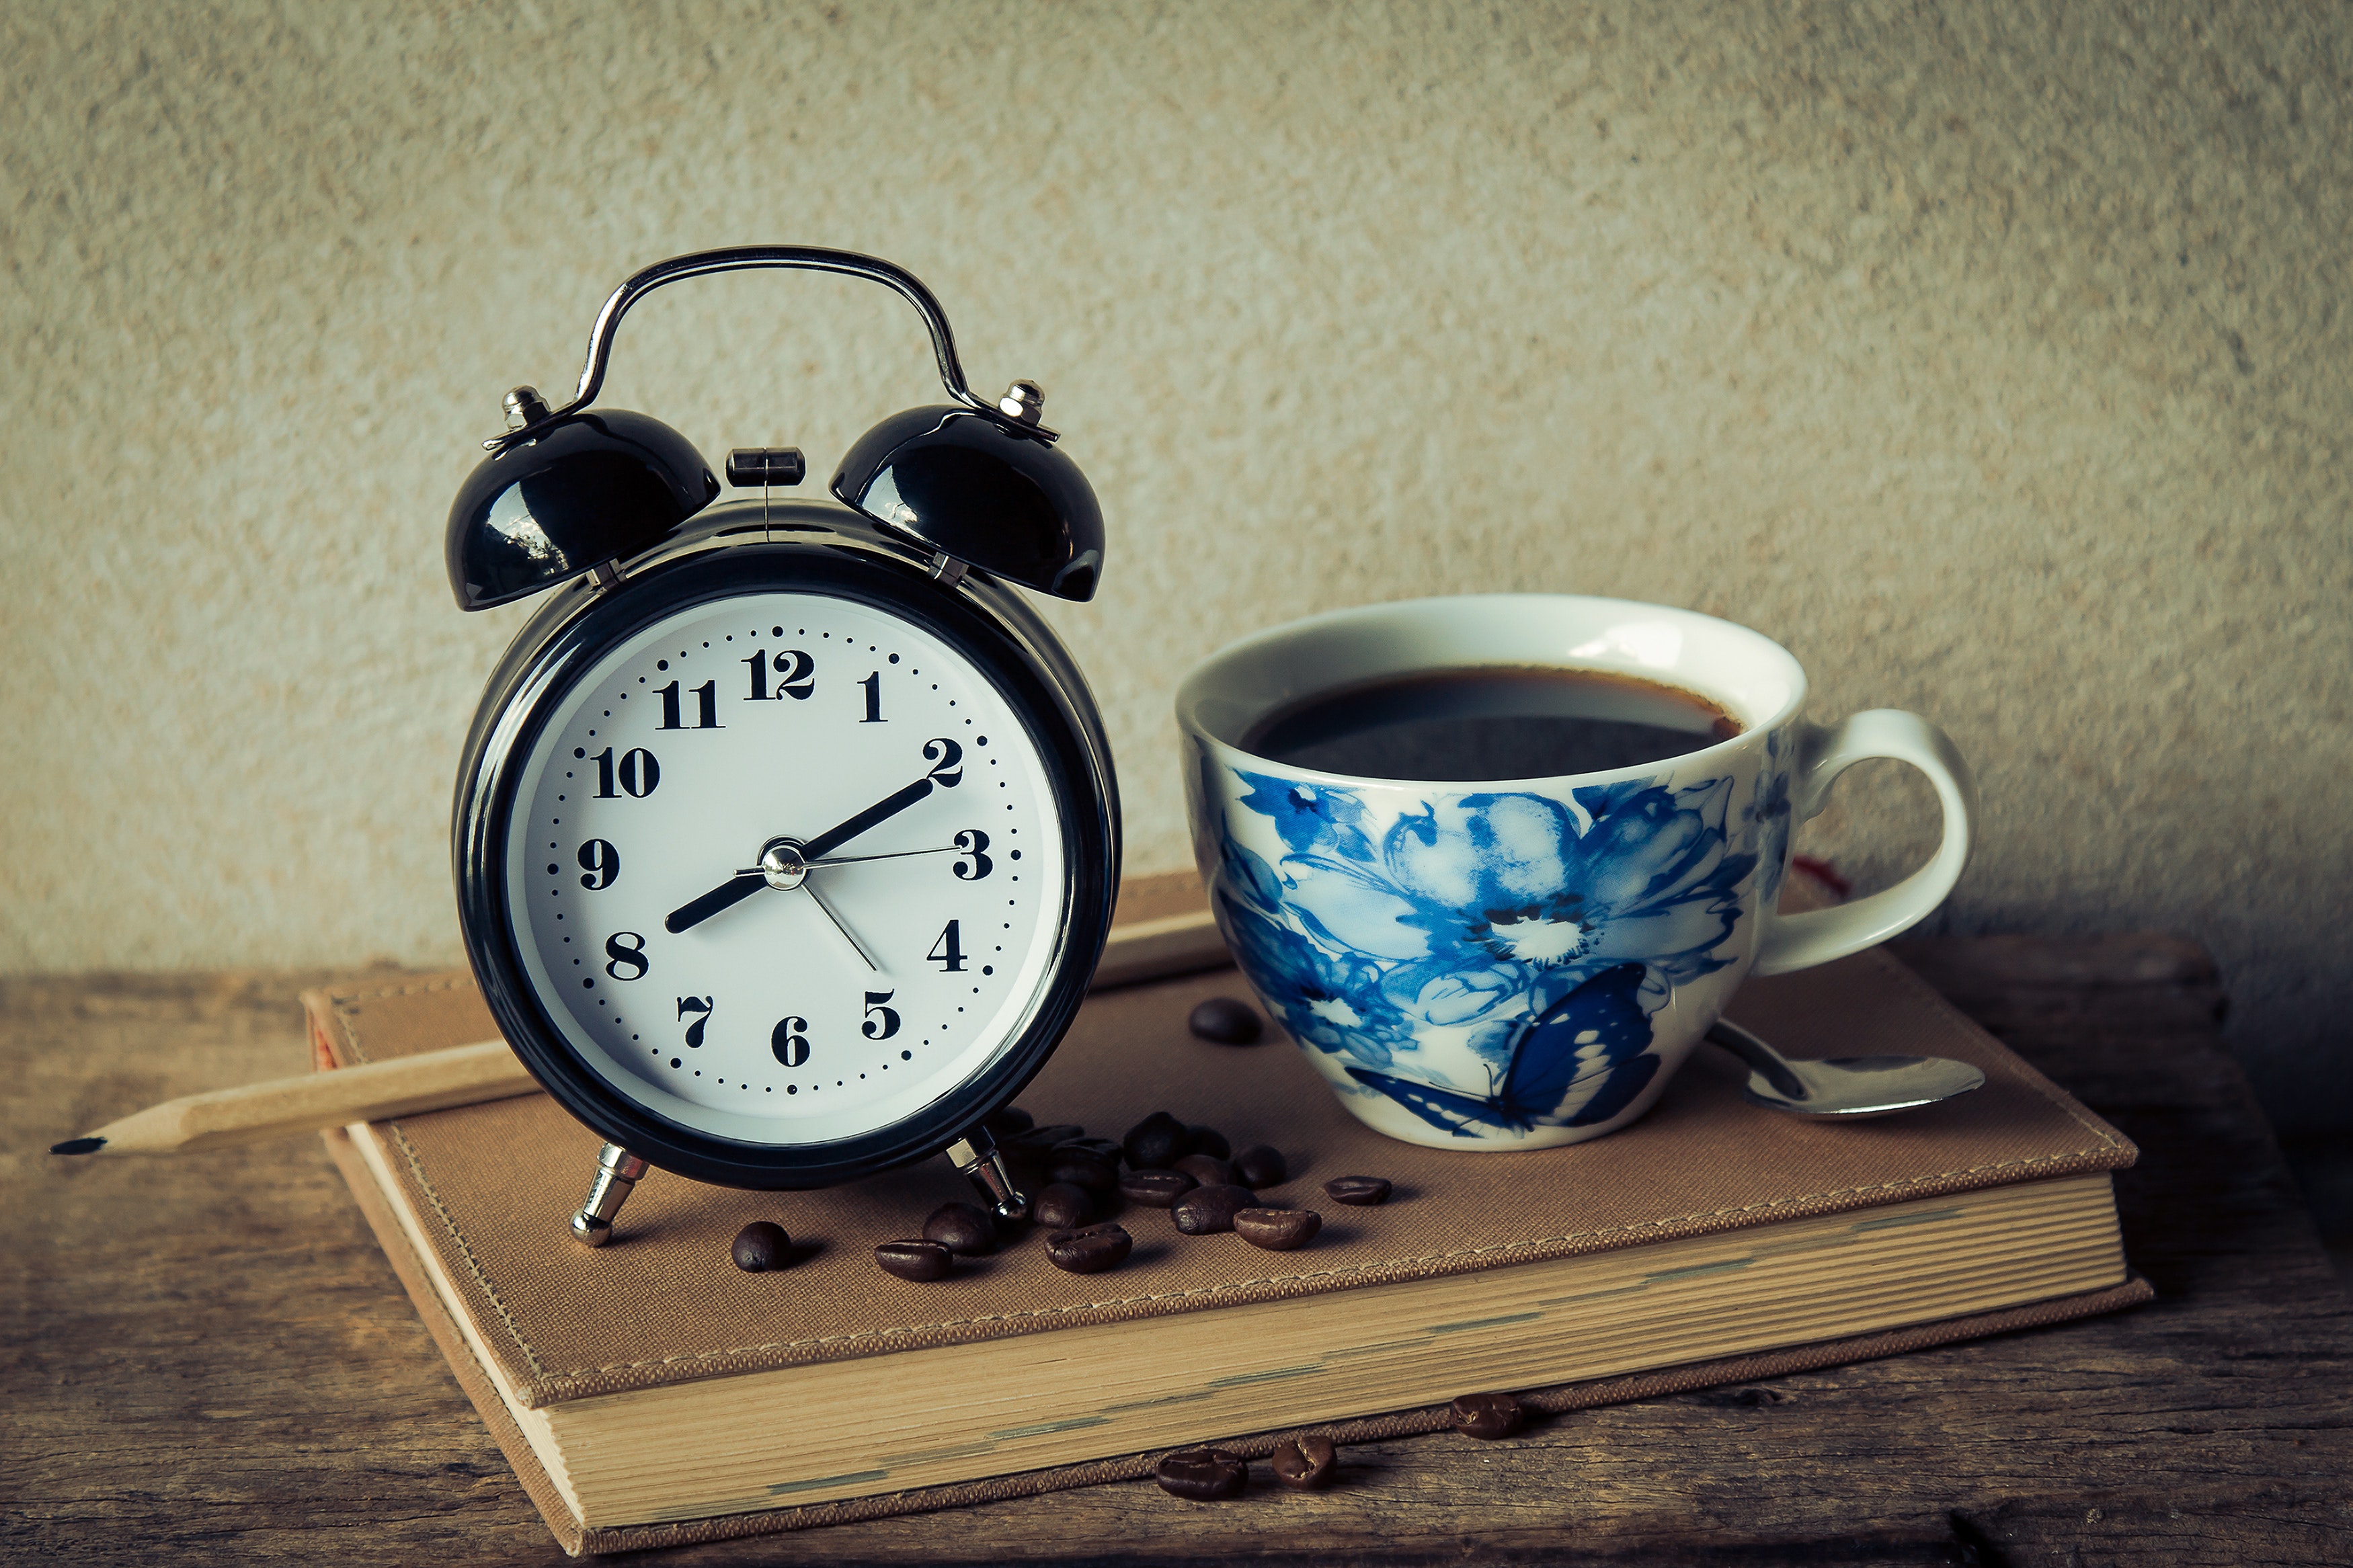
(795,671)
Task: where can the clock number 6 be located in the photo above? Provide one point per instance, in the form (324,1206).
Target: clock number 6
(882,1023)
(625,950)
(790,1044)
(947,761)
(973,841)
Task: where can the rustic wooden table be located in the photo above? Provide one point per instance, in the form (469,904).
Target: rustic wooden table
(205,1358)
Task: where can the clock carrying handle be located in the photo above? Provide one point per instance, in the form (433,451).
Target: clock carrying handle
(743,257)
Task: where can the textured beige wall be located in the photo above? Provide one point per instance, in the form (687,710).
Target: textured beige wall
(1996,361)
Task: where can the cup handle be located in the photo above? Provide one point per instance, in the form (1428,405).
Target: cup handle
(1802,941)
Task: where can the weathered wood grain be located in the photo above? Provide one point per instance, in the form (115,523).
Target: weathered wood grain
(206,1357)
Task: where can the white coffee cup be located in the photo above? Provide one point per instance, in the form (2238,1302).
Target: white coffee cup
(1523,963)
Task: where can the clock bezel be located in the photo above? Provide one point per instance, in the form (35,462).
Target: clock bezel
(825,550)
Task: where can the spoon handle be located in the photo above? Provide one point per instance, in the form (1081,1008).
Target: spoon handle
(1760,1058)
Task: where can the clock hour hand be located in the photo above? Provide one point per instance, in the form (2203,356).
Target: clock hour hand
(744,884)
(880,812)
(725,896)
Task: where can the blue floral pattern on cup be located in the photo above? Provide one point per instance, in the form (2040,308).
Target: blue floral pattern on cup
(1540,932)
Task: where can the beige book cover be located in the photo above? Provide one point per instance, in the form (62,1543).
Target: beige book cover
(470,1204)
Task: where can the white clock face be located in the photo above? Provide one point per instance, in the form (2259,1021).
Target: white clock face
(897,935)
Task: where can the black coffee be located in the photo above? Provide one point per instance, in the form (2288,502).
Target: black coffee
(1496,723)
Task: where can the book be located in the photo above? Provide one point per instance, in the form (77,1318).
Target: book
(651,1394)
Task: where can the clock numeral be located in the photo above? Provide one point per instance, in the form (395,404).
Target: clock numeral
(602,863)
(706,707)
(700,1007)
(973,841)
(795,666)
(882,1023)
(636,774)
(790,1044)
(947,761)
(625,950)
(799,679)
(949,948)
(873,684)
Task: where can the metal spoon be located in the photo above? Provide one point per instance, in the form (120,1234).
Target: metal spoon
(1852,1087)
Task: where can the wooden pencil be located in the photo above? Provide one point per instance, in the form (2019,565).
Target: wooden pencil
(468,1075)
(221,1118)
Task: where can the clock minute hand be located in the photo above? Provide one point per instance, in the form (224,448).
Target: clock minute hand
(725,896)
(881,811)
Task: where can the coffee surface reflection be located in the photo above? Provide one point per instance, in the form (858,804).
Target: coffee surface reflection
(1498,723)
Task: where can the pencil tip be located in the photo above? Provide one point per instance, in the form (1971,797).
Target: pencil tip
(79,1146)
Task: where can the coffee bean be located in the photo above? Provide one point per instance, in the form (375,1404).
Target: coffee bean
(1207,1210)
(1278,1230)
(914,1259)
(1305,1463)
(1487,1415)
(1261,1166)
(1362,1190)
(1060,1205)
(1208,1170)
(1207,1140)
(1034,1144)
(762,1246)
(1090,1250)
(960,1227)
(1081,1166)
(1201,1475)
(1155,1189)
(1109,1148)
(1155,1141)
(1005,1123)
(1027,1154)
(1226,1021)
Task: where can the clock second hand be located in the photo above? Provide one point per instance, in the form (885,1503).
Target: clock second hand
(744,884)
(890,855)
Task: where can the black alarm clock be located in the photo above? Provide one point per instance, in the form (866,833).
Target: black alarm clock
(787,836)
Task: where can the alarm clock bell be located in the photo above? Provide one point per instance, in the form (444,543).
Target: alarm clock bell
(575,490)
(579,491)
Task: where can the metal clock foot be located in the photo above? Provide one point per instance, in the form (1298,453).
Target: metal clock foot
(617,1170)
(976,1156)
